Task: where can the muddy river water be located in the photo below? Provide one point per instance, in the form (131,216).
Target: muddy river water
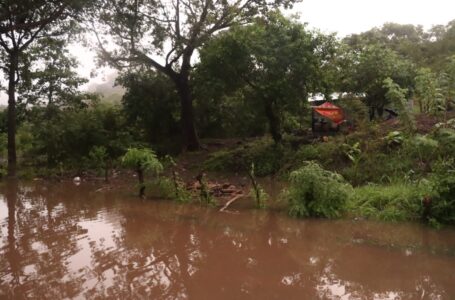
(62,241)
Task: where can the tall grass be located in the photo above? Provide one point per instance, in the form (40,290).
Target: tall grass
(393,202)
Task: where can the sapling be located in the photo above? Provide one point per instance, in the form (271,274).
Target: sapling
(142,160)
(99,158)
(205,190)
(256,191)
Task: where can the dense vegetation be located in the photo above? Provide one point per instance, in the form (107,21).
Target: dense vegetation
(194,71)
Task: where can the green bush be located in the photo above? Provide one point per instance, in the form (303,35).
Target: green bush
(315,192)
(443,203)
(267,157)
(327,154)
(446,139)
(422,147)
(142,159)
(355,110)
(98,158)
(167,188)
(393,202)
(307,153)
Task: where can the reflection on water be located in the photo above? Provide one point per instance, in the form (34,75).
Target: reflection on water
(65,241)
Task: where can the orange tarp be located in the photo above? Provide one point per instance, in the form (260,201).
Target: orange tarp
(330,111)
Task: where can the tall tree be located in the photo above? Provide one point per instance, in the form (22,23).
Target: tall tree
(52,80)
(275,61)
(150,102)
(371,66)
(21,24)
(164,35)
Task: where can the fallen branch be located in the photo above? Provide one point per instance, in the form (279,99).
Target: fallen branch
(103,188)
(236,197)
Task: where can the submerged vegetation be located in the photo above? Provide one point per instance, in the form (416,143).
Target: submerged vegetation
(239,107)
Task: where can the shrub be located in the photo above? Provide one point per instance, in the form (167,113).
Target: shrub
(356,110)
(394,138)
(142,160)
(315,192)
(267,157)
(393,202)
(171,189)
(98,158)
(307,152)
(446,139)
(443,203)
(422,148)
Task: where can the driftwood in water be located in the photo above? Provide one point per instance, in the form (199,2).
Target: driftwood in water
(236,197)
(226,192)
(214,188)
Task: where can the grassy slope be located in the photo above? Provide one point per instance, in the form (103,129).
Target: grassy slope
(390,178)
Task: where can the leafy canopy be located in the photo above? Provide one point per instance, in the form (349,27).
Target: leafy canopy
(142,159)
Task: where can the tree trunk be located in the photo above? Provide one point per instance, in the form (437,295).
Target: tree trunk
(11,122)
(380,110)
(371,112)
(274,121)
(190,138)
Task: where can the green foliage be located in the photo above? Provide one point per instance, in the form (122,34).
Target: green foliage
(446,141)
(172,189)
(447,124)
(25,142)
(260,197)
(393,202)
(98,157)
(394,138)
(423,147)
(316,192)
(353,152)
(151,103)
(428,92)
(142,159)
(53,81)
(356,111)
(397,96)
(370,67)
(443,202)
(447,82)
(3,145)
(257,192)
(204,194)
(267,157)
(269,63)
(69,135)
(196,25)
(307,153)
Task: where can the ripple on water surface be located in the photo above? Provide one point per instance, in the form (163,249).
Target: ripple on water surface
(64,241)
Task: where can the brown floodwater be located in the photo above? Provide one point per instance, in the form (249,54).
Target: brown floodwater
(65,241)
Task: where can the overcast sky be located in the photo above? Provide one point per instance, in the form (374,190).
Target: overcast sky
(354,16)
(341,16)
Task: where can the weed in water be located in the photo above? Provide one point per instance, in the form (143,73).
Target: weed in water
(315,192)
